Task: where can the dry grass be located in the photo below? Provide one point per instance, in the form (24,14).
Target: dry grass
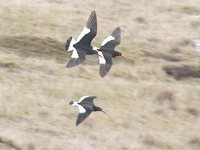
(182,72)
(8,143)
(195,143)
(147,108)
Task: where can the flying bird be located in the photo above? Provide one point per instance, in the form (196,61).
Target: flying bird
(107,51)
(82,45)
(86,106)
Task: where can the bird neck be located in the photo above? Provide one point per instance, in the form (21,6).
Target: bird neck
(95,108)
(116,54)
(75,103)
(94,48)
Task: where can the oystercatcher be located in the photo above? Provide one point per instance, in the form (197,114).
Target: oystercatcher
(82,45)
(107,51)
(86,106)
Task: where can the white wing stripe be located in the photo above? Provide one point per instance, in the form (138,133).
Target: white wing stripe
(81,109)
(82,98)
(109,38)
(74,54)
(102,60)
(82,34)
(71,47)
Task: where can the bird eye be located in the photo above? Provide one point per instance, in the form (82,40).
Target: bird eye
(71,102)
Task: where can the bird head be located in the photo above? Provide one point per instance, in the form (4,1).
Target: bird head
(100,109)
(119,54)
(71,102)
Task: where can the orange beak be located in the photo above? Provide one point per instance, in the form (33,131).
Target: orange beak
(123,57)
(104,112)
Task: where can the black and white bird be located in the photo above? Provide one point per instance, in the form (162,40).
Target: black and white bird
(82,45)
(86,106)
(107,51)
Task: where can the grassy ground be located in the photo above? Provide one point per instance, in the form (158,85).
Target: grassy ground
(147,108)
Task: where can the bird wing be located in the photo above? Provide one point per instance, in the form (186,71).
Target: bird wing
(73,62)
(88,32)
(105,61)
(69,46)
(104,69)
(83,116)
(87,100)
(68,43)
(77,57)
(112,40)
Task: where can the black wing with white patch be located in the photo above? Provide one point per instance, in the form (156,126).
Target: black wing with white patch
(113,40)
(87,100)
(89,32)
(77,57)
(83,116)
(104,68)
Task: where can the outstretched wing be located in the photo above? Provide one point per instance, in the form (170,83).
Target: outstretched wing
(112,40)
(89,32)
(82,116)
(68,43)
(84,111)
(105,61)
(73,62)
(104,69)
(87,100)
(77,57)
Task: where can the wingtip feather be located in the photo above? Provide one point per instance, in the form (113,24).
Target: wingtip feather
(116,32)
(92,21)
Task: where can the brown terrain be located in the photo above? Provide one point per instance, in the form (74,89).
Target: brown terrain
(153,98)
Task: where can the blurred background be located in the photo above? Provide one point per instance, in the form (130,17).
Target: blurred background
(152,98)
